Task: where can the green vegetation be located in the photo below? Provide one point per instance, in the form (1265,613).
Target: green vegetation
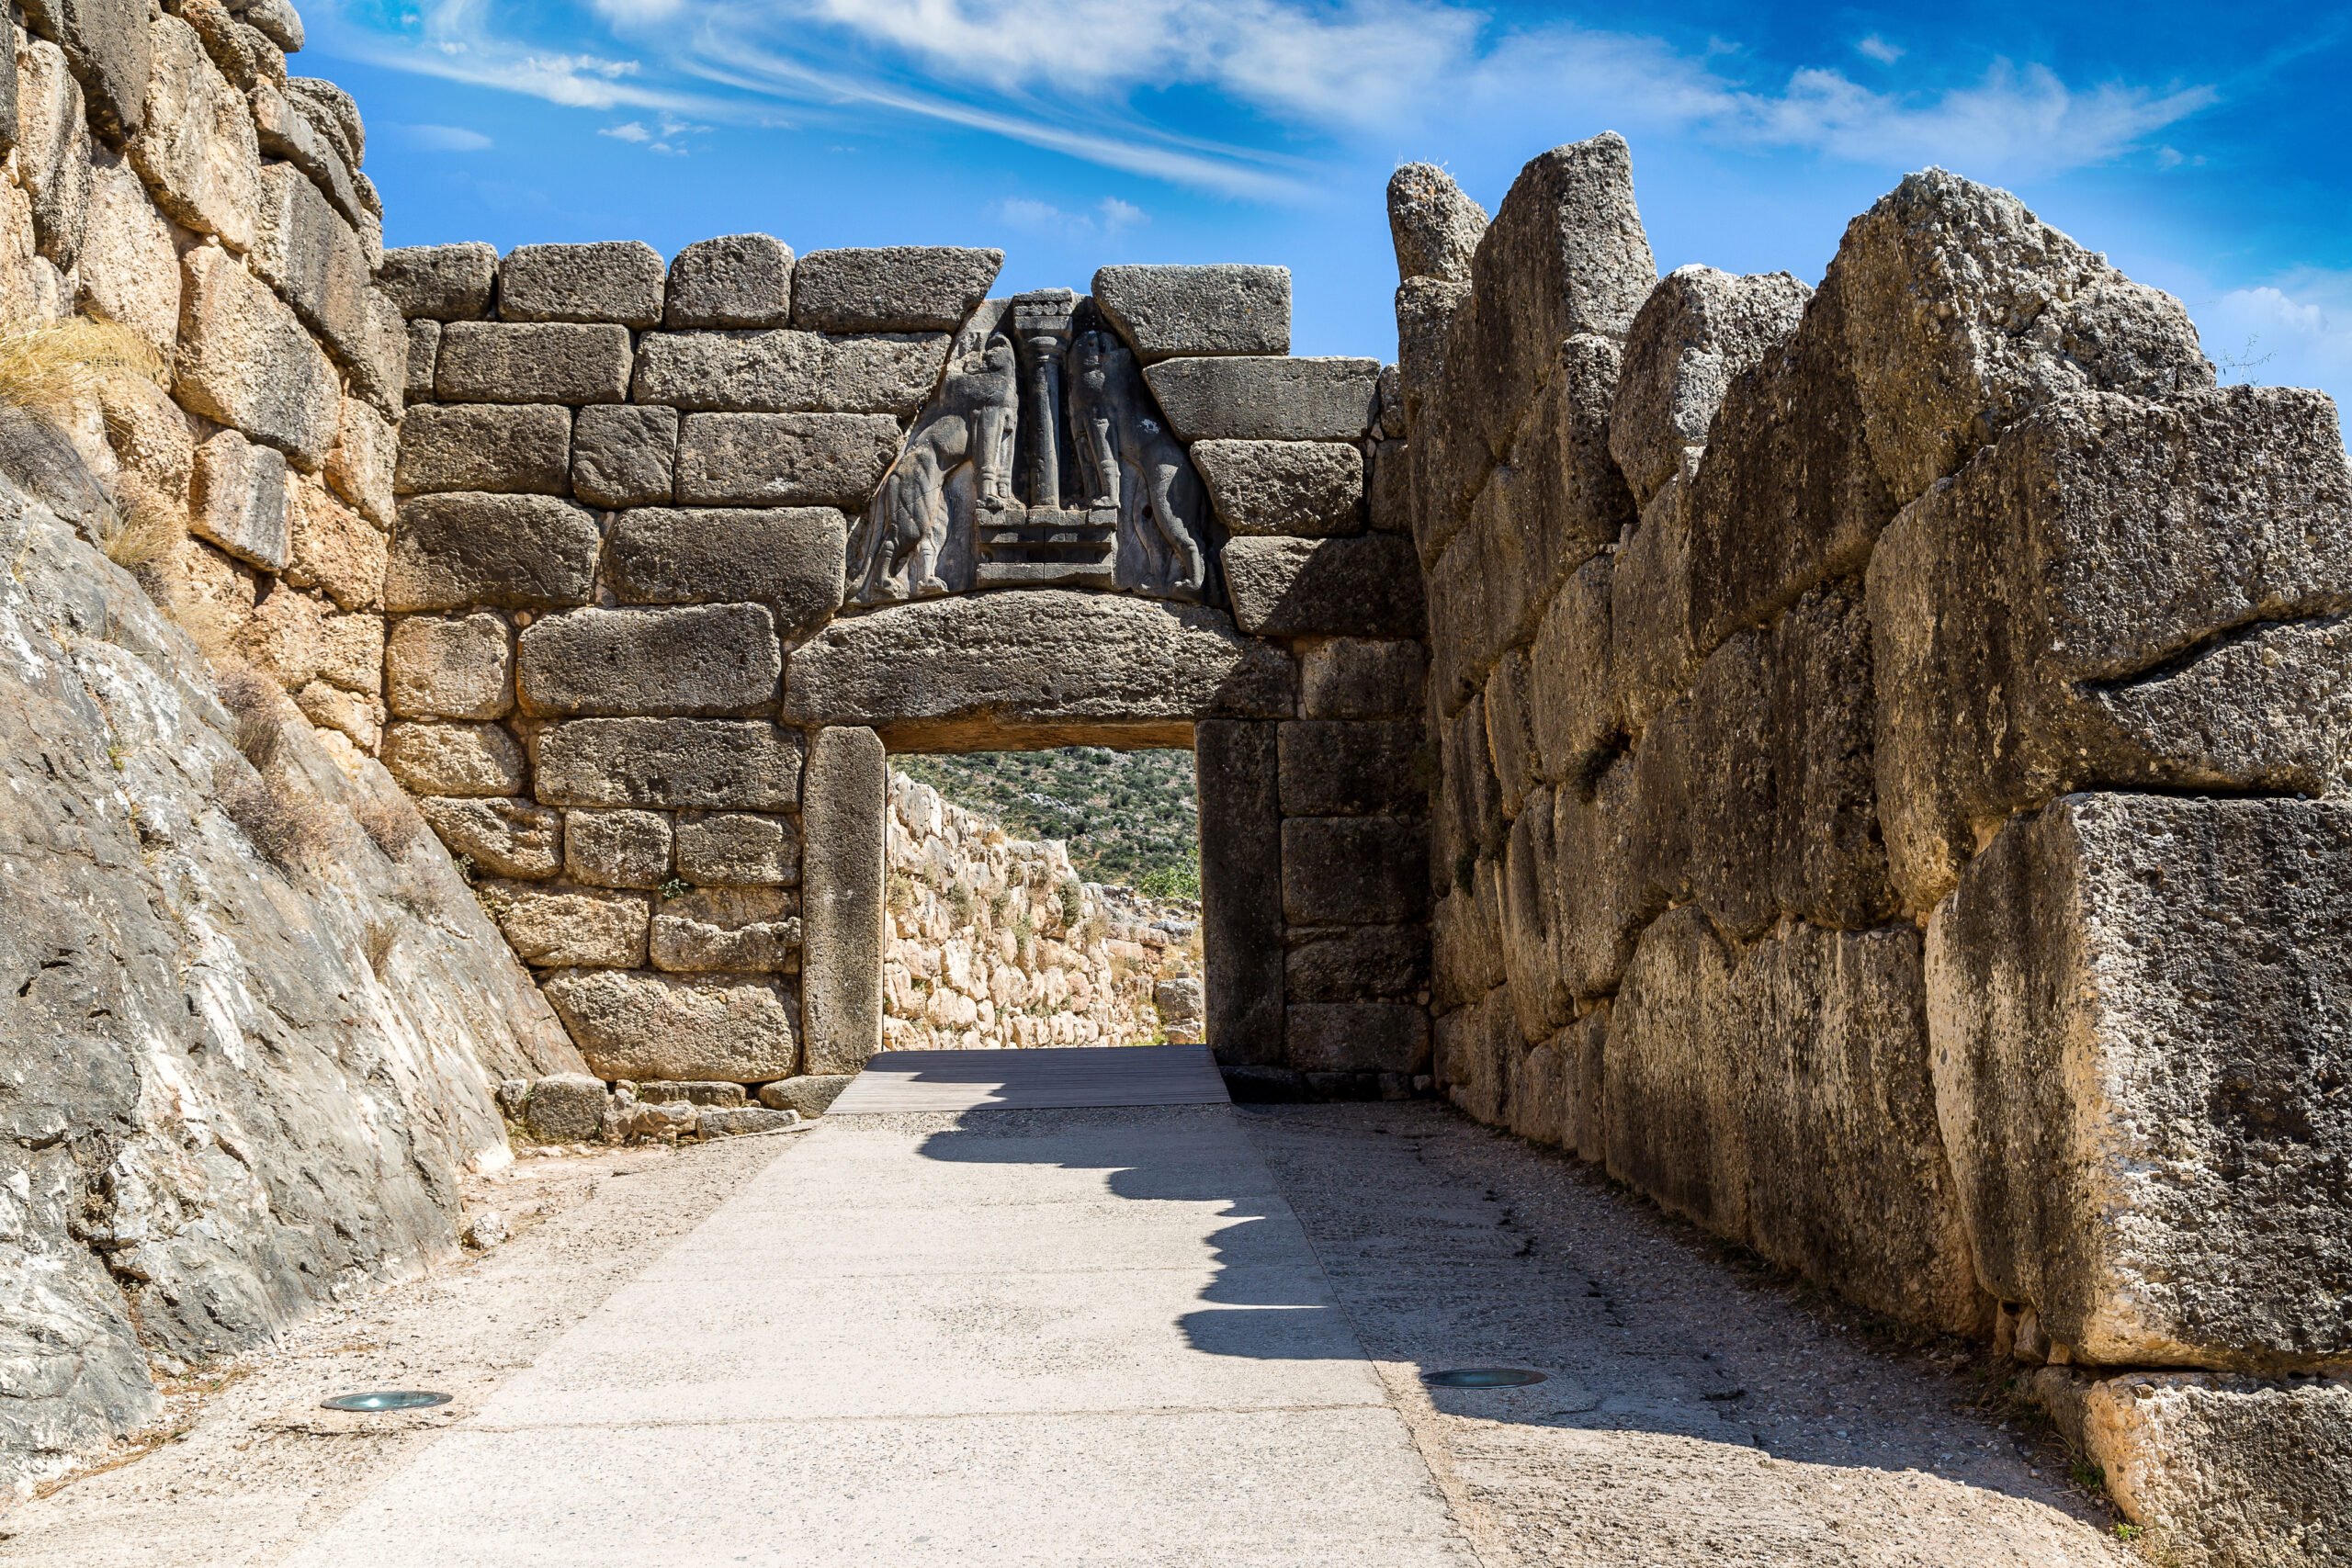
(1129,817)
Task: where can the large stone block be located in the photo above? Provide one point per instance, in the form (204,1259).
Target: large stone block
(1716,783)
(1351,769)
(1388,491)
(555,927)
(1308,489)
(1465,943)
(504,837)
(789,372)
(1671,1104)
(2138,1006)
(455,759)
(423,359)
(896,288)
(1166,311)
(748,930)
(334,549)
(615,281)
(1509,706)
(617,849)
(2117,593)
(1236,766)
(361,463)
(1534,978)
(1468,820)
(784,459)
(669,762)
(1360,678)
(701,658)
(500,448)
(1046,665)
(1354,963)
(1435,227)
(246,360)
(239,499)
(1354,871)
(517,552)
(739,281)
(1698,329)
(128,268)
(1829,857)
(738,849)
(1617,872)
(624,456)
(53,153)
(197,149)
(1264,398)
(441,283)
(844,822)
(1475,1058)
(288,127)
(1652,641)
(460,667)
(1368,586)
(1357,1037)
(300,638)
(113,52)
(637,1026)
(1425,310)
(1571,692)
(790,559)
(532,362)
(303,247)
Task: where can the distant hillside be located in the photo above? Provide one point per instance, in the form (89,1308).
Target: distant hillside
(1130,817)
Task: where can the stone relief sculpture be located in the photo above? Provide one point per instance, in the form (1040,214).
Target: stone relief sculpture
(1042,460)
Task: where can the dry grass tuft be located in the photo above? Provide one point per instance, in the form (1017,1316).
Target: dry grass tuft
(258,707)
(287,825)
(391,822)
(57,366)
(377,943)
(141,530)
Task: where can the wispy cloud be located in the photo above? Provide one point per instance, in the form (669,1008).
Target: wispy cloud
(1108,216)
(441,138)
(1878,48)
(2295,330)
(667,135)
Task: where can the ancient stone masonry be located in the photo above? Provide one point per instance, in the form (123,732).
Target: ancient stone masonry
(1891,793)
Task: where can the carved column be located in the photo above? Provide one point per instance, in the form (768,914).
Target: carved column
(1041,325)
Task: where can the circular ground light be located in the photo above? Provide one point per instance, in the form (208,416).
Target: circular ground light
(1483,1377)
(376,1401)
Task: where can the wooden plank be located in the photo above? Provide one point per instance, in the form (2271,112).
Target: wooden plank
(1047,1078)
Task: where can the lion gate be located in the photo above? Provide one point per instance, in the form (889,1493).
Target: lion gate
(685,552)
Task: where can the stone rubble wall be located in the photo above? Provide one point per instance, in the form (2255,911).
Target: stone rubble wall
(1891,784)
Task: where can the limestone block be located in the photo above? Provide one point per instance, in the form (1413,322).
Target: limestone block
(739,280)
(2115,593)
(277,20)
(1048,662)
(2138,1005)
(334,549)
(1425,311)
(1238,770)
(1697,329)
(661,1091)
(624,456)
(112,53)
(356,717)
(504,837)
(1435,227)
(1308,489)
(669,762)
(1475,1058)
(784,459)
(517,552)
(1468,818)
(53,151)
(1388,490)
(1510,728)
(638,1026)
(790,559)
(501,448)
(532,362)
(1583,1048)
(557,927)
(360,464)
(1166,311)
(1459,592)
(701,658)
(565,1108)
(1536,978)
(1353,963)
(1360,1037)
(298,637)
(1722,784)
(742,929)
(246,360)
(288,128)
(1368,586)
(810,1094)
(1341,767)
(1265,399)
(441,283)
(455,759)
(617,281)
(896,288)
(1829,857)
(1539,1096)
(789,372)
(1354,871)
(617,849)
(197,149)
(1360,678)
(1465,948)
(1613,876)
(1653,639)
(128,268)
(1571,690)
(154,441)
(238,499)
(1671,1107)
(842,822)
(8,86)
(305,250)
(333,110)
(738,849)
(423,359)
(460,667)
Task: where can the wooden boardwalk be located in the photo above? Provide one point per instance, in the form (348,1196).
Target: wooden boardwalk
(1046,1079)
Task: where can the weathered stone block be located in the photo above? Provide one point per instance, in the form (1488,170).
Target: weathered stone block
(112,50)
(128,268)
(1465,944)
(1475,1058)
(551,927)
(617,849)
(1616,873)
(789,557)
(789,372)
(1697,329)
(1435,227)
(1049,662)
(1358,963)
(1721,781)
(1388,490)
(532,362)
(1309,488)
(689,1091)
(457,668)
(1571,693)
(518,552)
(784,459)
(564,1108)
(1510,728)
(1449,461)
(423,359)
(1238,770)
(1368,586)
(1360,678)
(1253,398)
(304,248)
(2138,1008)
(843,823)
(498,448)
(238,499)
(334,549)
(702,659)
(246,360)
(896,288)
(1351,769)
(288,127)
(197,149)
(1674,1124)
(639,1026)
(1354,871)
(616,281)
(1653,641)
(738,849)
(506,838)
(746,930)
(359,719)
(739,280)
(361,463)
(1536,980)
(1164,312)
(1361,1037)
(624,456)
(1829,857)
(300,638)
(1539,1096)
(1468,818)
(455,759)
(669,762)
(441,283)
(810,1094)
(1583,1048)
(53,153)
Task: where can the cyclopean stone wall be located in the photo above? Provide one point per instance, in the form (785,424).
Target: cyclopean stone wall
(683,551)
(1891,804)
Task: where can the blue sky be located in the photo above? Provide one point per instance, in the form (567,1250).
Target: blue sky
(2201,147)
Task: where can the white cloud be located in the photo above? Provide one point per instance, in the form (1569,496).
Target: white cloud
(2293,332)
(442,137)
(668,139)
(1107,217)
(628,130)
(1878,48)
(637,12)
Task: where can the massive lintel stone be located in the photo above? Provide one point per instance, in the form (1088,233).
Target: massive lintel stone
(1267,399)
(518,552)
(1049,666)
(1166,311)
(784,459)
(897,288)
(441,283)
(727,1029)
(532,362)
(669,762)
(784,371)
(789,557)
(616,281)
(1698,329)
(1367,586)
(2138,1005)
(704,659)
(1306,488)
(737,280)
